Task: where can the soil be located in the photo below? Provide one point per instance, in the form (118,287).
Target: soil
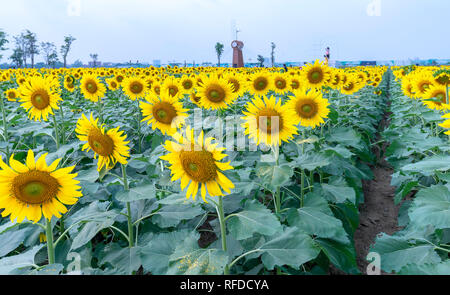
(378,213)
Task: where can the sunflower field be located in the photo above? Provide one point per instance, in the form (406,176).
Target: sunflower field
(188,171)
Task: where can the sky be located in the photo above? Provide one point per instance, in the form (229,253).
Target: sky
(179,30)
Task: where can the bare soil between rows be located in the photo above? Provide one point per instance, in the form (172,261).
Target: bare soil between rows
(378,213)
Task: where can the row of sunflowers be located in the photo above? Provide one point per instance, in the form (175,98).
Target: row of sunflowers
(128,141)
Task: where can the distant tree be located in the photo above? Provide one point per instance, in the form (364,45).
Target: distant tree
(94,57)
(272,53)
(49,53)
(261,60)
(32,47)
(17,57)
(3,42)
(219,51)
(65,48)
(77,64)
(21,48)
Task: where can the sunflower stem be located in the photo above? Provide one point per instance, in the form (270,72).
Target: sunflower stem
(50,245)
(55,125)
(130,222)
(5,128)
(139,126)
(223,228)
(100,111)
(63,131)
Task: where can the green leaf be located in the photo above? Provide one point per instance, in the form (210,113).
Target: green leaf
(432,206)
(190,259)
(442,268)
(405,189)
(314,221)
(430,165)
(311,162)
(274,176)
(156,254)
(172,215)
(397,252)
(346,136)
(12,263)
(339,191)
(293,248)
(10,240)
(124,260)
(91,220)
(255,218)
(143,192)
(340,255)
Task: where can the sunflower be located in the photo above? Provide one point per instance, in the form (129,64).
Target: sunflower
(446,123)
(316,74)
(69,83)
(30,190)
(187,83)
(164,112)
(156,88)
(112,84)
(110,146)
(407,88)
(260,83)
(268,122)
(310,107)
(91,87)
(439,94)
(215,93)
(134,87)
(280,83)
(237,82)
(198,162)
(39,96)
(171,86)
(421,83)
(11,94)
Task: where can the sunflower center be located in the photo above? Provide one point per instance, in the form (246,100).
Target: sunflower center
(11,95)
(216,94)
(102,144)
(113,84)
(260,83)
(40,99)
(164,112)
(269,121)
(187,84)
(280,84)
(35,187)
(349,86)
(306,108)
(295,84)
(136,87)
(91,87)
(173,91)
(315,76)
(157,90)
(199,165)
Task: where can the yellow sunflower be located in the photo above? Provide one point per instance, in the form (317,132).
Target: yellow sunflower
(134,87)
(112,84)
(198,162)
(92,88)
(316,74)
(309,106)
(269,122)
(164,112)
(187,83)
(33,189)
(11,94)
(260,83)
(171,86)
(280,83)
(110,146)
(215,93)
(439,93)
(237,82)
(39,96)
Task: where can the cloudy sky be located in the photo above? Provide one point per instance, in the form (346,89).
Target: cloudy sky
(178,30)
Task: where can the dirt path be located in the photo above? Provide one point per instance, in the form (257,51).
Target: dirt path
(378,213)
